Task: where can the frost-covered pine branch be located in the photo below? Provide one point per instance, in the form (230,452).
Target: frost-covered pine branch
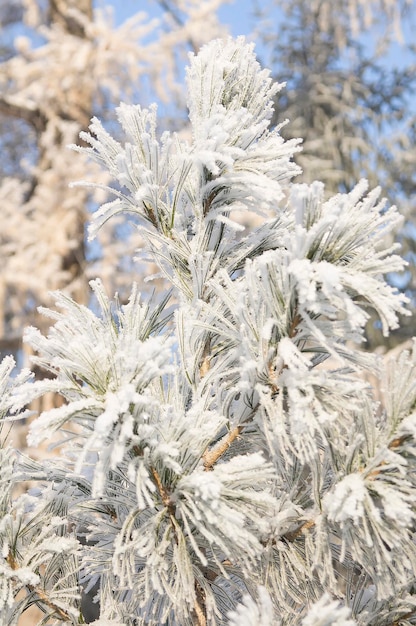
(224,460)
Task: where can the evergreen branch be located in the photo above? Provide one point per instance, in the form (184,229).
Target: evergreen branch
(61,613)
(311,273)
(291,536)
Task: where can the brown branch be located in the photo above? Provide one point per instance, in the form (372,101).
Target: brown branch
(66,16)
(137,450)
(209,574)
(199,610)
(301,530)
(397,622)
(208,202)
(170,507)
(164,494)
(199,606)
(206,359)
(150,215)
(398,442)
(204,367)
(293,328)
(32,116)
(211,456)
(271,370)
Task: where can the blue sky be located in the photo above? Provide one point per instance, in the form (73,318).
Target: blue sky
(235,14)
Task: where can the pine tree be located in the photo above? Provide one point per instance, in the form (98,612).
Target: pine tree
(224,460)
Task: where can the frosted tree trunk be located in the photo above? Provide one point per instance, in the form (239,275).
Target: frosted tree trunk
(51,220)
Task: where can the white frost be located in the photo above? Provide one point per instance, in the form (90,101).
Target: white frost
(346,501)
(328,613)
(252,613)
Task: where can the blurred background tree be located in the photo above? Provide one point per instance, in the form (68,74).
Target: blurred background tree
(63,62)
(350,72)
